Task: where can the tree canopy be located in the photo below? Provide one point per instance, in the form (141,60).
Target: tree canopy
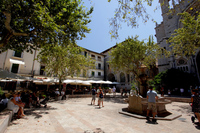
(64,61)
(132,54)
(186,40)
(129,11)
(25,25)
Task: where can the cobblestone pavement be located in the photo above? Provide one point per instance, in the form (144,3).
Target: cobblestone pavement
(78,116)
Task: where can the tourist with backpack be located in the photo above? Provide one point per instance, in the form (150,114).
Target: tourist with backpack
(100,98)
(93,96)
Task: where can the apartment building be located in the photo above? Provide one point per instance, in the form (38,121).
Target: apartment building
(23,63)
(98,72)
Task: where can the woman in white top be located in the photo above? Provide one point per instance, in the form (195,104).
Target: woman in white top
(15,107)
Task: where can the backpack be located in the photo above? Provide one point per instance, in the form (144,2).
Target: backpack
(93,91)
(101,95)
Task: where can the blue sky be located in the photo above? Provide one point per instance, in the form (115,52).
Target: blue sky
(99,38)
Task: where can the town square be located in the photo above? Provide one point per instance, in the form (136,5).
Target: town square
(103,66)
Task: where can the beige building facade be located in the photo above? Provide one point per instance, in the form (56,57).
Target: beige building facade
(124,79)
(24,64)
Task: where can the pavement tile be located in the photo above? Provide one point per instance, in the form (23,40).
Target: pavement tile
(78,116)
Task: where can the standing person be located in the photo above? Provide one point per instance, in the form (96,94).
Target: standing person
(169,92)
(98,90)
(125,91)
(63,94)
(181,91)
(101,98)
(190,91)
(195,99)
(151,97)
(114,91)
(93,96)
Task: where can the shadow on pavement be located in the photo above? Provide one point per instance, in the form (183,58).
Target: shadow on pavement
(150,122)
(115,100)
(197,125)
(37,112)
(184,108)
(97,130)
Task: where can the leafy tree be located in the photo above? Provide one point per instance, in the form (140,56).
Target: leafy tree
(186,40)
(129,11)
(64,61)
(132,54)
(30,24)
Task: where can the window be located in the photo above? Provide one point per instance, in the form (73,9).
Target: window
(42,70)
(181,62)
(99,73)
(186,68)
(85,54)
(164,48)
(93,56)
(183,68)
(18,54)
(15,68)
(99,58)
(93,73)
(99,66)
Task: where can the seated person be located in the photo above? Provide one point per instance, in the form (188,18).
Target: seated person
(3,102)
(18,98)
(15,107)
(57,92)
(35,98)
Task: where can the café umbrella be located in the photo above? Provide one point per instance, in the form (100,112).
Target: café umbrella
(8,75)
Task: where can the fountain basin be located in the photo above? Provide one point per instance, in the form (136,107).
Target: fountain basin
(138,105)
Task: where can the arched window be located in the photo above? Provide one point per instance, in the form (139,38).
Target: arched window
(111,77)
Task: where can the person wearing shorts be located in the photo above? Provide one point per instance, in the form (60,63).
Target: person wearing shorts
(151,97)
(93,95)
(101,98)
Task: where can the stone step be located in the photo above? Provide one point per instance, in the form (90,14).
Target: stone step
(5,118)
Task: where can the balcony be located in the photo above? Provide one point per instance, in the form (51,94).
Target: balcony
(93,58)
(100,68)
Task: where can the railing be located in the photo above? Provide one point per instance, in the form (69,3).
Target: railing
(100,68)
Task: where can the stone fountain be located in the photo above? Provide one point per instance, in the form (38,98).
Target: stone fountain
(138,105)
